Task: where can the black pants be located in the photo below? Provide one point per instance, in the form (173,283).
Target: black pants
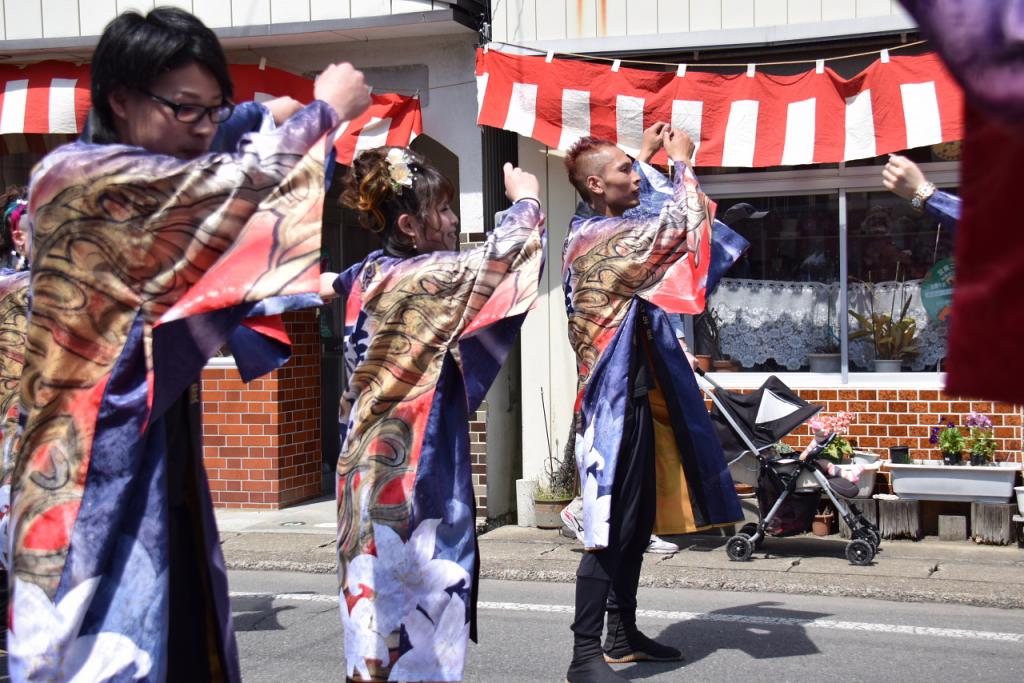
(194,648)
(608,578)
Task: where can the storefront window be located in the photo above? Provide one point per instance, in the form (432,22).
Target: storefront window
(779,308)
(900,283)
(777,305)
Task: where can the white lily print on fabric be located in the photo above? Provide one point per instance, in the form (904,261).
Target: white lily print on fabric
(438,652)
(362,642)
(44,644)
(403,576)
(596,508)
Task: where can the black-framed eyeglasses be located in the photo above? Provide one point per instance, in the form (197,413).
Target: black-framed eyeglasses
(191,113)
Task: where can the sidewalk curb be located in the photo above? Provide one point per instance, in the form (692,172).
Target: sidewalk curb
(896,590)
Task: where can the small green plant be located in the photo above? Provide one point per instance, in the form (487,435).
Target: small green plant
(560,472)
(948,438)
(893,338)
(980,441)
(840,448)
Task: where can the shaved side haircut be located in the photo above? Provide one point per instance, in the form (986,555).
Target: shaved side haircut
(584,159)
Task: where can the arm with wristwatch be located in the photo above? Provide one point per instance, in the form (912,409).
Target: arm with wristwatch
(903,177)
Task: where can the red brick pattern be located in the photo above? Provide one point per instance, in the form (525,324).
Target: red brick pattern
(478,457)
(261,441)
(904,417)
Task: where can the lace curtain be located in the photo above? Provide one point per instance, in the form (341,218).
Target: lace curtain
(762,320)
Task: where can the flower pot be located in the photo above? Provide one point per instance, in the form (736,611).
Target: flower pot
(888,365)
(900,455)
(822,524)
(978,460)
(724,366)
(951,458)
(704,362)
(824,362)
(546,511)
(1019,490)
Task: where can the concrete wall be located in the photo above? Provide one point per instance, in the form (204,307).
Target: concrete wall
(747,21)
(29,19)
(549,365)
(441,68)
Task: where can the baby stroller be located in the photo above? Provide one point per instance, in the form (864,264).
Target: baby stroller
(788,488)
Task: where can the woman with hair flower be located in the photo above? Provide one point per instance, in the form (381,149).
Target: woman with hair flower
(426,330)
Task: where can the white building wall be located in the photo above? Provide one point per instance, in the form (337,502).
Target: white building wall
(549,365)
(526,21)
(33,19)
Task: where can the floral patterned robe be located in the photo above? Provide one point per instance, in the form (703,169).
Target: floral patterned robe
(143,266)
(424,339)
(13,320)
(621,276)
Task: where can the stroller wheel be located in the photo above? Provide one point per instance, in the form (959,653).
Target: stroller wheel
(739,548)
(868,534)
(860,552)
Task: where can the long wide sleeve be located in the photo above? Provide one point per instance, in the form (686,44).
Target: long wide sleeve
(135,258)
(662,258)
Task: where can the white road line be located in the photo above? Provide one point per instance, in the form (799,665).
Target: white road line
(836,625)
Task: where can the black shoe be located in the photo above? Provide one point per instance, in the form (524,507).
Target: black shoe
(588,663)
(626,644)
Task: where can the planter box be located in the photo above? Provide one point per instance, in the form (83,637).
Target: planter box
(866,482)
(960,483)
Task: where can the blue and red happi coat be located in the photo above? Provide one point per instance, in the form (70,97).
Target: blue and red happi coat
(424,339)
(143,267)
(621,276)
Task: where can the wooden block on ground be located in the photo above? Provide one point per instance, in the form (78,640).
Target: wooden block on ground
(899,519)
(992,523)
(952,528)
(868,508)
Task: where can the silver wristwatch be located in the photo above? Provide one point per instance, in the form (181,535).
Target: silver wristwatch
(923,193)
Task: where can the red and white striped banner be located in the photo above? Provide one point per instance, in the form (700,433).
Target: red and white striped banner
(45,104)
(749,119)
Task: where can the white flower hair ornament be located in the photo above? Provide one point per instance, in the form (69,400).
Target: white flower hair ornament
(399,169)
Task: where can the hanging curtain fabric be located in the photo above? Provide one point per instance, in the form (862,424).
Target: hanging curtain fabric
(751,119)
(44,105)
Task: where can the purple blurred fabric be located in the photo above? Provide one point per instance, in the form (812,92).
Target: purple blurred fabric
(982,43)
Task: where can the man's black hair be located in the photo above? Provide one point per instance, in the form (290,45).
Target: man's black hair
(134,51)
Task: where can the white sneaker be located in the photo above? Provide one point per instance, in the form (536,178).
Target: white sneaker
(570,515)
(660,547)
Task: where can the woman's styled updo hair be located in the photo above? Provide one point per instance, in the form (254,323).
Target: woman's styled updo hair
(381,193)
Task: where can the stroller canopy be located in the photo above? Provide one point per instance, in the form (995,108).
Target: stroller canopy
(764,415)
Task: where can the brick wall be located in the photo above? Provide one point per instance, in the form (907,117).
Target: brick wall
(478,457)
(904,417)
(261,441)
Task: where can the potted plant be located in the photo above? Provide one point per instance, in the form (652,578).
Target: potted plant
(980,441)
(893,338)
(826,357)
(950,441)
(839,449)
(708,344)
(549,499)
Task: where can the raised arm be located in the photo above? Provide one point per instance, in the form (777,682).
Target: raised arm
(636,250)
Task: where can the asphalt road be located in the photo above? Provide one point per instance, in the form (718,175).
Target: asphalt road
(288,630)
